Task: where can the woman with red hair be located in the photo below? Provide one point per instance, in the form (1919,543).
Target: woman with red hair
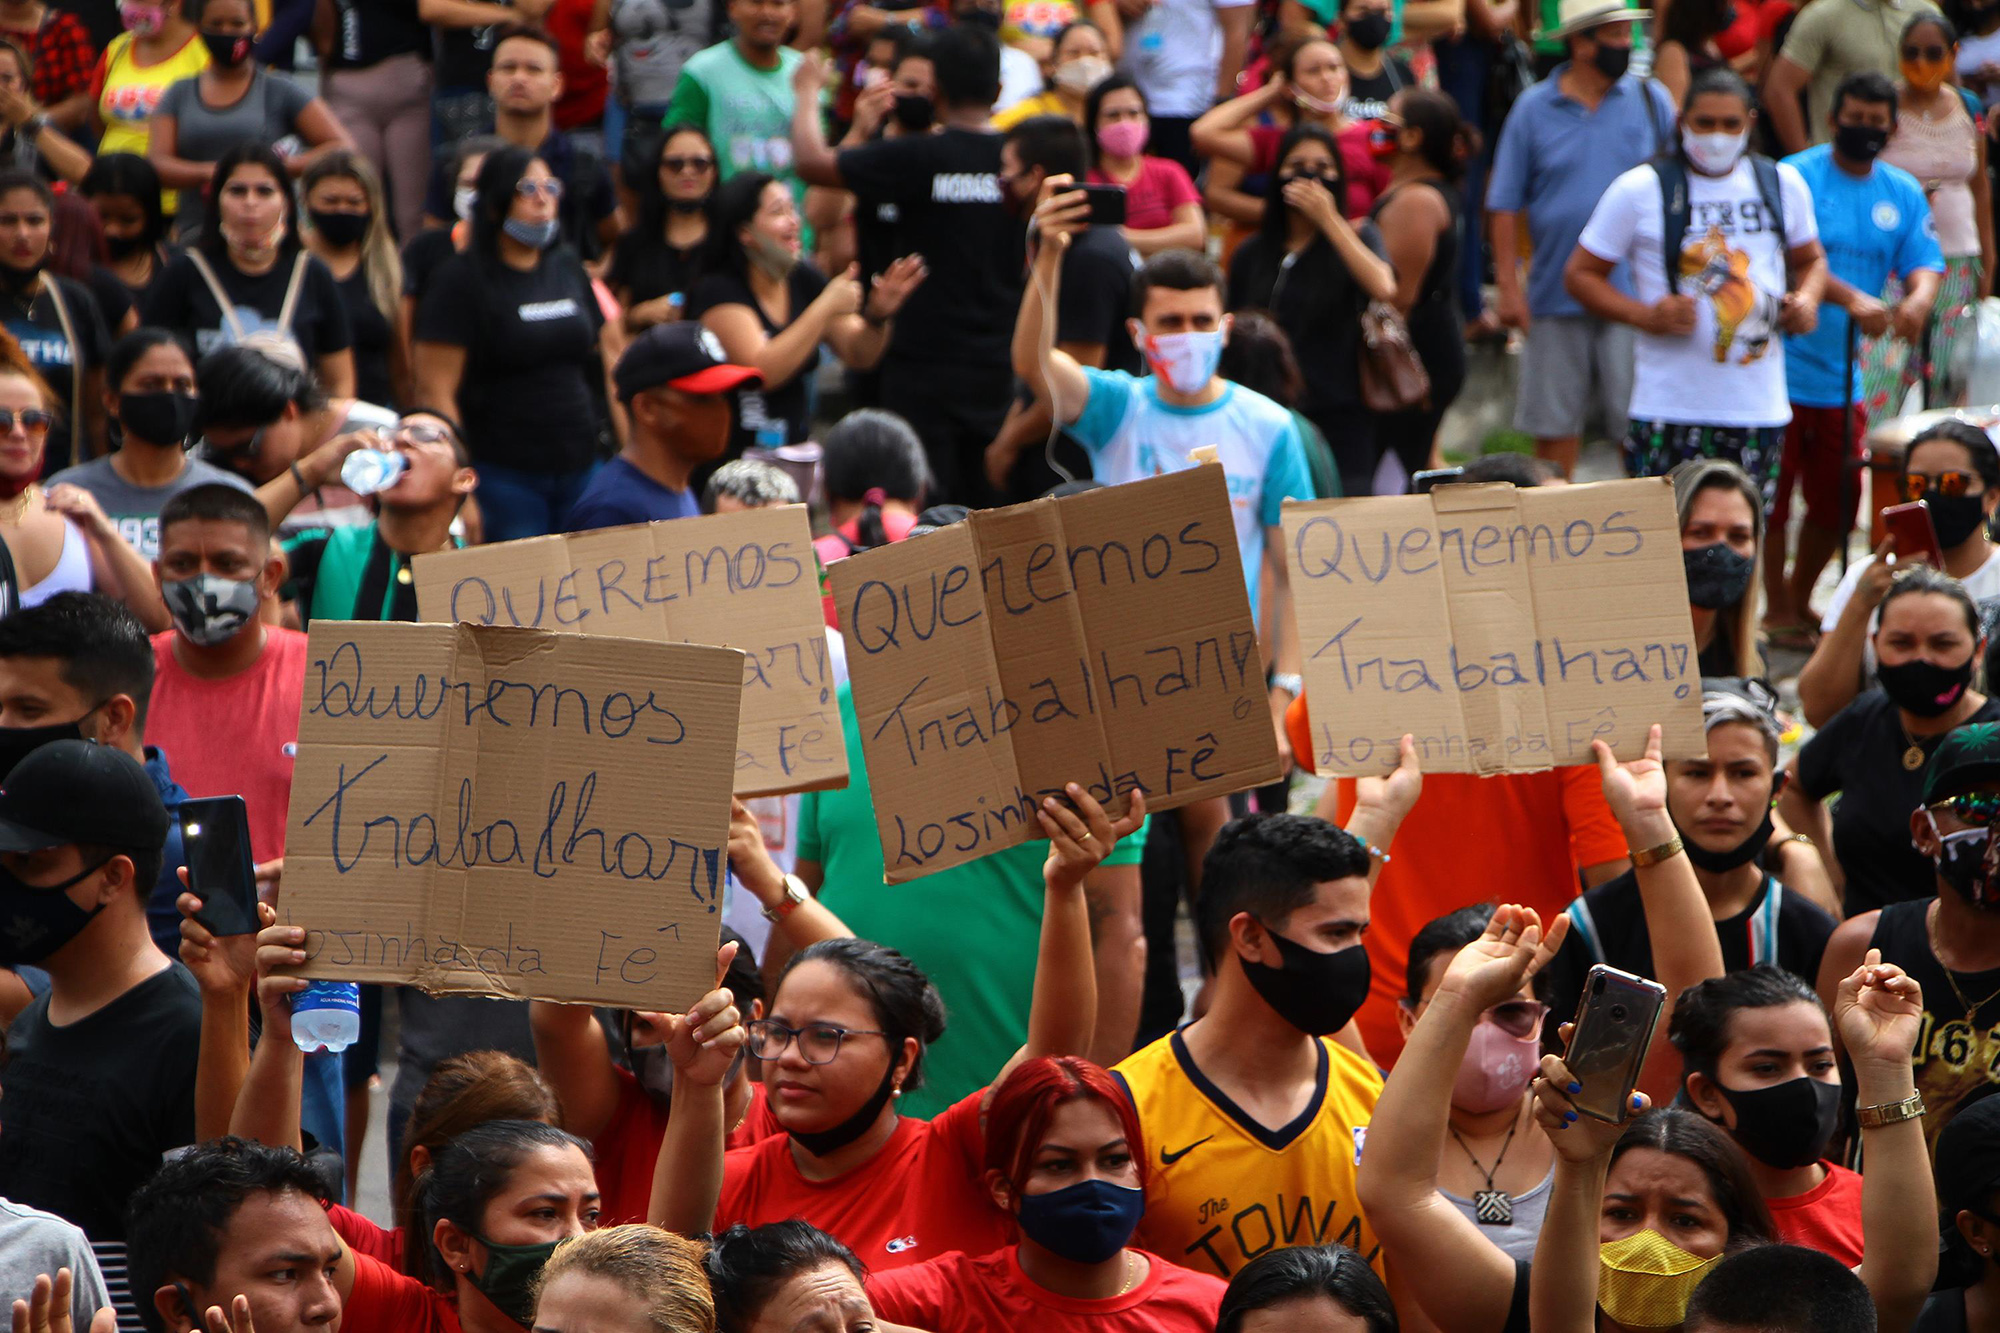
(1065,1160)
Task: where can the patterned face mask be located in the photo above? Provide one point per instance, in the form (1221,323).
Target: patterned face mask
(1644,1280)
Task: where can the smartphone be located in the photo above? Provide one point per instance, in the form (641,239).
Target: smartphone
(1107,204)
(215,840)
(1422,482)
(1910,525)
(1614,1026)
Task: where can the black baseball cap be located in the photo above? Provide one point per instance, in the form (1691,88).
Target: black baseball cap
(1967,1160)
(682,355)
(70,792)
(1967,756)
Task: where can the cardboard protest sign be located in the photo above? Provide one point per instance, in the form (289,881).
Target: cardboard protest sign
(512,812)
(1505,629)
(745,580)
(1103,639)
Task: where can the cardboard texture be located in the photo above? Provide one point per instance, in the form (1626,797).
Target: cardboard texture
(746,580)
(512,812)
(1504,629)
(1103,639)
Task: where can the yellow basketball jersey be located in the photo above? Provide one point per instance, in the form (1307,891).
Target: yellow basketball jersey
(1221,1189)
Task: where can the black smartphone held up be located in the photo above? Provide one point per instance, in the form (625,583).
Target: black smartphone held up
(215,839)
(1614,1026)
(1422,482)
(1107,204)
(1910,524)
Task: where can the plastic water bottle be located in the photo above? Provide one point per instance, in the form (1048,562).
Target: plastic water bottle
(367,471)
(326,1015)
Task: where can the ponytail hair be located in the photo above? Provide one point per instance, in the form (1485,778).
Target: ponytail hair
(1450,141)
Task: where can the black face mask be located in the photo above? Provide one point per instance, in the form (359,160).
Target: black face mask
(687,205)
(1956,518)
(158,418)
(1925,689)
(41,918)
(17,743)
(1612,61)
(1786,1126)
(120,246)
(1368,32)
(1315,992)
(1721,863)
(227,49)
(912,111)
(1717,576)
(341,229)
(1863,143)
(821,1142)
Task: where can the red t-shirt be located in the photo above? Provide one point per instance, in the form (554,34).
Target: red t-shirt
(236,736)
(1826,1217)
(990,1294)
(386,1301)
(920,1197)
(1152,196)
(365,1237)
(628,1147)
(1367,174)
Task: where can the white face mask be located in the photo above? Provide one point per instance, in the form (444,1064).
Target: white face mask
(1186,361)
(1714,154)
(1082,74)
(462,200)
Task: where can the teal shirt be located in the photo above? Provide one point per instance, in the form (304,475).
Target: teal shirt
(974,929)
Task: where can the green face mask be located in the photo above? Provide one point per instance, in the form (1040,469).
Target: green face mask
(510,1276)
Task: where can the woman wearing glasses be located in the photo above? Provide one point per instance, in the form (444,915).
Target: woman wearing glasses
(249,274)
(509,336)
(653,264)
(1875,752)
(845,1037)
(1954,468)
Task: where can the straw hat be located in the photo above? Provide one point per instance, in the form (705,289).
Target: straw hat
(1574,16)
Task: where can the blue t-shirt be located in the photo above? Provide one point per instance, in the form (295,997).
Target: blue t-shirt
(1554,162)
(620,493)
(1130,434)
(1872,226)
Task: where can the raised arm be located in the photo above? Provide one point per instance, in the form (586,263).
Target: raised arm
(799,923)
(1397,1178)
(225,969)
(702,1043)
(571,1052)
(1062,1016)
(1053,376)
(286,491)
(1223,131)
(1380,806)
(267,1108)
(1831,677)
(811,157)
(1562,1288)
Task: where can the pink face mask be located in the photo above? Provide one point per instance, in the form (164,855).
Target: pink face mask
(1123,138)
(1497,1069)
(144,20)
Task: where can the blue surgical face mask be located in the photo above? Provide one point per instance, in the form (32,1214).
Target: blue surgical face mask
(1085,1223)
(534,235)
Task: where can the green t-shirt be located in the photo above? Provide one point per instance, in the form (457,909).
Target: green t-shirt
(746,111)
(974,929)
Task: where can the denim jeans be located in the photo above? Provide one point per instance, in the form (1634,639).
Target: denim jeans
(516,503)
(323,1102)
(1463,67)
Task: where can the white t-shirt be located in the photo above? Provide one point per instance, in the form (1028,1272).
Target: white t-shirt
(1173,54)
(1731,370)
(1974,51)
(1982,583)
(1020,77)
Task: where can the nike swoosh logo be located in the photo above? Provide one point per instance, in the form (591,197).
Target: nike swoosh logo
(1169,1158)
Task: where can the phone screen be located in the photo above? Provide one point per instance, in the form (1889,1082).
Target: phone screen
(215,838)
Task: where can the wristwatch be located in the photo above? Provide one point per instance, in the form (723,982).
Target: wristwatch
(795,894)
(32,127)
(1874,1117)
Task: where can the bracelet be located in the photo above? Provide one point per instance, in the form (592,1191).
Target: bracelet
(1800,837)
(1652,856)
(300,478)
(1890,1113)
(1375,853)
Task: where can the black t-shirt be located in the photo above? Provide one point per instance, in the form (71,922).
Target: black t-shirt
(114,299)
(40,333)
(1317,302)
(87,1108)
(1097,296)
(946,188)
(878,237)
(372,337)
(1368,94)
(370,31)
(139,298)
(1608,925)
(462,56)
(646,268)
(588,197)
(423,255)
(1859,754)
(780,407)
(182,302)
(531,354)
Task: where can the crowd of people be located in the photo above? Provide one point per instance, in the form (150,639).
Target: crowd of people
(570,264)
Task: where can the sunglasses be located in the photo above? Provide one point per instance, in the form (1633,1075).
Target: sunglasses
(528,189)
(1932,54)
(696,163)
(33,421)
(1948,484)
(1518,1018)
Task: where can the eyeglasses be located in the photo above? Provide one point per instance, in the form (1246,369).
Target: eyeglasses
(33,421)
(234,452)
(528,189)
(695,163)
(419,433)
(819,1043)
(1948,484)
(1930,53)
(1519,1018)
(1973,807)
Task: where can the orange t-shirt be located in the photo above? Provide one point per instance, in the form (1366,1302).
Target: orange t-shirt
(919,1197)
(1516,838)
(1826,1217)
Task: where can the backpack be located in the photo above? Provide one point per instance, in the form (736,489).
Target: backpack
(1675,209)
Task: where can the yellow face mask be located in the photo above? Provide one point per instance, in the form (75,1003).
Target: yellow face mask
(1644,1280)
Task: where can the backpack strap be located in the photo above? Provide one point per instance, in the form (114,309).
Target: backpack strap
(1674,209)
(1772,190)
(222,301)
(292,289)
(1583,927)
(54,290)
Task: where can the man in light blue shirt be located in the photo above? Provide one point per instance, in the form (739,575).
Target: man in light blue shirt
(1874,223)
(1567,138)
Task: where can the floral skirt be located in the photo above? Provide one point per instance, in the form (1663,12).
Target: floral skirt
(1889,366)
